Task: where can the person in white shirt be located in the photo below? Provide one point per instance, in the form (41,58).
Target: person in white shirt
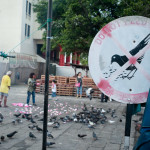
(89,92)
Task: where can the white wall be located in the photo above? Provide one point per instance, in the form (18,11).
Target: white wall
(29,45)
(68,71)
(12,27)
(10,24)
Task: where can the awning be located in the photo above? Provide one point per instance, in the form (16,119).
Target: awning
(40,59)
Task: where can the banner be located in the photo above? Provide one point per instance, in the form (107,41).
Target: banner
(22,60)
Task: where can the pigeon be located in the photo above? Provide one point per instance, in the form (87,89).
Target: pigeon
(81,135)
(38,128)
(32,120)
(31,127)
(1,120)
(18,120)
(2,138)
(23,116)
(103,111)
(91,123)
(113,116)
(54,118)
(41,119)
(1,116)
(50,123)
(84,107)
(90,126)
(103,121)
(36,116)
(49,135)
(94,136)
(50,120)
(31,135)
(111,121)
(75,120)
(13,122)
(10,135)
(50,143)
(109,110)
(17,115)
(57,125)
(28,116)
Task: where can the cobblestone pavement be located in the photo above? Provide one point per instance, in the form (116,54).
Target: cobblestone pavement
(110,135)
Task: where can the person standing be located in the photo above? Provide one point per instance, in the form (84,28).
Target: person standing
(79,80)
(31,88)
(5,87)
(54,89)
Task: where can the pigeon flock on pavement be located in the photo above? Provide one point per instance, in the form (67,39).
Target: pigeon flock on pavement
(89,116)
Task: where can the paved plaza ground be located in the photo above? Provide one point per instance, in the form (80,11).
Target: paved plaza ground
(110,135)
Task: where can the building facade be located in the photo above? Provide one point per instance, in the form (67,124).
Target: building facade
(19,36)
(17,24)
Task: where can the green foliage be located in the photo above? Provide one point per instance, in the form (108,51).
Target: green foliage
(76,22)
(135,7)
(41,11)
(84,59)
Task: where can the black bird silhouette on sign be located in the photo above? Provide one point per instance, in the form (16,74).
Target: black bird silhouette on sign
(121,60)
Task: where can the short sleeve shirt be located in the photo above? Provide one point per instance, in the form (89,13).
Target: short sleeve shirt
(5,83)
(79,80)
(54,87)
(31,85)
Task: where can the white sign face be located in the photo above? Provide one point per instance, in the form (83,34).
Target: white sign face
(119,59)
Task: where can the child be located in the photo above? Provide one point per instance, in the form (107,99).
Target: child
(54,89)
(89,93)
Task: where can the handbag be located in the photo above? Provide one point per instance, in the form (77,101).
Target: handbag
(77,84)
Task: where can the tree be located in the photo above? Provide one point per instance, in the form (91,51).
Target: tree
(58,19)
(135,7)
(76,22)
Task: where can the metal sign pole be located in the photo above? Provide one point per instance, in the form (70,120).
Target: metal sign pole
(129,111)
(49,25)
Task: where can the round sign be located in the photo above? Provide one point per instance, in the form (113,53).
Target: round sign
(119,59)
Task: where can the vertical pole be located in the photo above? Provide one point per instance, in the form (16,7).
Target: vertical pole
(128,126)
(48,46)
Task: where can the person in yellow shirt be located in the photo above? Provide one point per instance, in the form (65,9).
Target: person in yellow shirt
(4,88)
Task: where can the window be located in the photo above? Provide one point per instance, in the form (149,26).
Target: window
(26,7)
(29,9)
(25,29)
(28,34)
(39,52)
